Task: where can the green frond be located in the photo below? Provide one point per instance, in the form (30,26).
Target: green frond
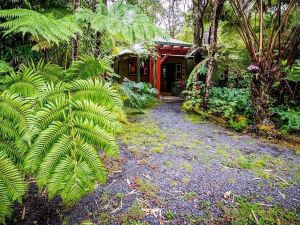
(96,136)
(54,91)
(10,149)
(43,144)
(15,109)
(71,169)
(96,113)
(25,82)
(12,185)
(98,92)
(90,67)
(38,25)
(52,111)
(51,73)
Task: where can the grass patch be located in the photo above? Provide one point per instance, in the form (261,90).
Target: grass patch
(185,180)
(134,212)
(158,149)
(168,164)
(145,133)
(170,215)
(246,212)
(193,118)
(187,167)
(188,196)
(149,189)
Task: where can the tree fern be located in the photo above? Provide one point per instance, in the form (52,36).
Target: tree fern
(12,185)
(89,67)
(48,71)
(125,23)
(14,143)
(70,132)
(55,129)
(39,26)
(25,82)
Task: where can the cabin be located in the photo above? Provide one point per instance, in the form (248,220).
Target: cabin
(169,64)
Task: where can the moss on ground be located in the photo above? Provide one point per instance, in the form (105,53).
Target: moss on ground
(245,212)
(193,118)
(188,196)
(145,133)
(133,214)
(149,189)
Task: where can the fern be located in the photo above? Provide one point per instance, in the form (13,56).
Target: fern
(48,71)
(124,23)
(39,26)
(14,140)
(90,67)
(54,129)
(70,130)
(138,95)
(12,185)
(25,82)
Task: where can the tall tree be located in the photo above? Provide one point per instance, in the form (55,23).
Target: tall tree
(199,7)
(275,42)
(75,40)
(215,17)
(98,34)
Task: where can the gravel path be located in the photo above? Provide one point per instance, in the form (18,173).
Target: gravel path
(177,171)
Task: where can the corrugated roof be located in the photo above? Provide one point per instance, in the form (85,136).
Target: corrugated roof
(139,49)
(172,41)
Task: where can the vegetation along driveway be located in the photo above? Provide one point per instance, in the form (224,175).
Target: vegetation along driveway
(176,169)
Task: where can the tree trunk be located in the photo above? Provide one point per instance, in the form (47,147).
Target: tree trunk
(98,34)
(199,7)
(261,88)
(75,40)
(215,17)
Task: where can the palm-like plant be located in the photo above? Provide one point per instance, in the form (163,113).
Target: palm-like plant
(41,27)
(14,140)
(70,130)
(55,130)
(124,23)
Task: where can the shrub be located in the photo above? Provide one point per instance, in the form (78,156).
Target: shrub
(54,131)
(138,95)
(287,119)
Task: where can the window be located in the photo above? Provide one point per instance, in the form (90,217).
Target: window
(178,71)
(132,67)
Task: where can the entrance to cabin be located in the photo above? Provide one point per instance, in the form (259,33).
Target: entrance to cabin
(167,77)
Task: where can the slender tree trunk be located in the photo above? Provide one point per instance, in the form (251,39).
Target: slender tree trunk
(98,34)
(75,40)
(215,17)
(199,7)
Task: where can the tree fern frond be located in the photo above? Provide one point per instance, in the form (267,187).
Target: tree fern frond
(51,73)
(25,82)
(43,143)
(98,92)
(38,25)
(52,111)
(10,149)
(96,136)
(15,109)
(96,113)
(12,185)
(90,67)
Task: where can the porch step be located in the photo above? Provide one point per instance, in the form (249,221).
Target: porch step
(170,98)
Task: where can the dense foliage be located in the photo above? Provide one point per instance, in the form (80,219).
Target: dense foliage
(53,129)
(138,95)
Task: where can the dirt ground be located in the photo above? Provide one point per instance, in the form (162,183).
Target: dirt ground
(177,169)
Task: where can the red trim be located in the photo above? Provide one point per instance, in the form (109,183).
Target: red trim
(164,58)
(158,72)
(151,71)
